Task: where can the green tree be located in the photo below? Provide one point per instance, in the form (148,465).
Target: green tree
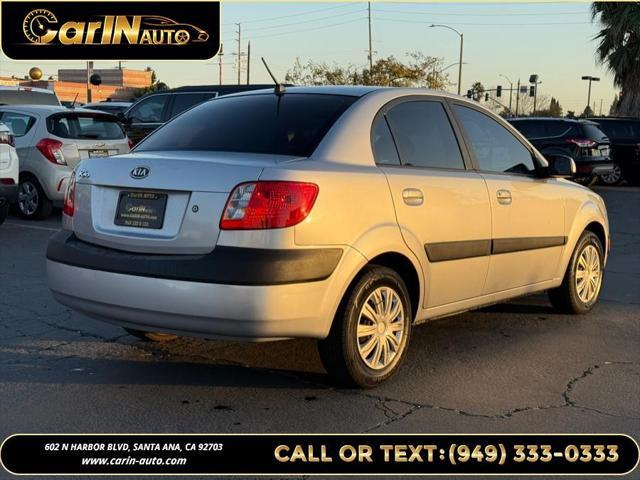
(155,86)
(555,109)
(613,109)
(478,90)
(418,70)
(588,112)
(619,49)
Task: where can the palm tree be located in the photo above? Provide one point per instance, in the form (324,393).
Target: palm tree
(619,49)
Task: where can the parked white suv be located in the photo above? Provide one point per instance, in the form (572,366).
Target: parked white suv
(345,214)
(8,171)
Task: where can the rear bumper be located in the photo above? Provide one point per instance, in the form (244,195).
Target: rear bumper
(586,168)
(239,311)
(8,194)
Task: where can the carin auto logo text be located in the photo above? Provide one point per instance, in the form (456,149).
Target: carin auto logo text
(42,26)
(110,30)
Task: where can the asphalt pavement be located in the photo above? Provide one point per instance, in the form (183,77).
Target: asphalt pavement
(515,367)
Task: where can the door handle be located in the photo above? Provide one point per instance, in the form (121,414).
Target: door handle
(412,196)
(504,197)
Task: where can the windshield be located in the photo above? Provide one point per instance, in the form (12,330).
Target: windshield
(288,124)
(85,126)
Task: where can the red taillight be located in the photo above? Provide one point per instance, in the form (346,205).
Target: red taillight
(7,181)
(8,138)
(268,204)
(70,197)
(52,150)
(582,142)
(131,143)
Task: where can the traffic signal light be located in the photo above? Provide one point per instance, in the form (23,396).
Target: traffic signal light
(532,91)
(486,97)
(499,91)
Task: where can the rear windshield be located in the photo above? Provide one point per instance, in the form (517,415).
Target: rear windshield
(85,126)
(25,97)
(592,132)
(289,124)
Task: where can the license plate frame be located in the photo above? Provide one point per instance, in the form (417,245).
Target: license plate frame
(98,153)
(140,209)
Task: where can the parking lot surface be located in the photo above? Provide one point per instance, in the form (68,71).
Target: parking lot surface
(516,367)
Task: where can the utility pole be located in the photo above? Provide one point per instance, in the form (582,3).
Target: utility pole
(239,59)
(248,62)
(89,69)
(517,97)
(600,107)
(220,53)
(370,43)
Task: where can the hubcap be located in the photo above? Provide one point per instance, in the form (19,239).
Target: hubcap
(614,176)
(381,328)
(28,198)
(588,274)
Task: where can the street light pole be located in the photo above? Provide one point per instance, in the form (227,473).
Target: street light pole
(461,50)
(591,79)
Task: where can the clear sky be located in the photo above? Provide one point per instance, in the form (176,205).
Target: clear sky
(554,40)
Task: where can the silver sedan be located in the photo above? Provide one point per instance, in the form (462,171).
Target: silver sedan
(344,214)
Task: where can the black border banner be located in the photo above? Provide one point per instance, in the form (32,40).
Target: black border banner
(297,454)
(95,30)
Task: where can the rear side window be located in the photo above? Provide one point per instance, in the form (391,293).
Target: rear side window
(560,129)
(19,123)
(620,128)
(384,149)
(530,128)
(288,124)
(85,126)
(183,101)
(592,132)
(495,148)
(424,135)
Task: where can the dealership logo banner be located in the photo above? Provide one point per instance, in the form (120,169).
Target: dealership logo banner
(99,30)
(338,454)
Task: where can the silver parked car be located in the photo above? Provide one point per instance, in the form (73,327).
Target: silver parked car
(50,141)
(344,214)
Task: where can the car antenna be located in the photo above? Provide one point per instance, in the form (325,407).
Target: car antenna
(73,104)
(279,90)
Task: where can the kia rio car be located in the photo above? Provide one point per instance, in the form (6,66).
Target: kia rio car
(343,214)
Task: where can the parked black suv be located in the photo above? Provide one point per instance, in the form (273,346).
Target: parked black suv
(152,110)
(582,140)
(624,134)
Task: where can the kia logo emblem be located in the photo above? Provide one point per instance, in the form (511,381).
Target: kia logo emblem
(139,173)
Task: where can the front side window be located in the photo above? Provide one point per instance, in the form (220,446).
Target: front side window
(495,148)
(149,110)
(424,135)
(184,101)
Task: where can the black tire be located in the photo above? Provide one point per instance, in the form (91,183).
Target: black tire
(43,206)
(339,351)
(565,298)
(615,179)
(151,336)
(4,212)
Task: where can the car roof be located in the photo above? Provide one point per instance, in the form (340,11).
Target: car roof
(19,88)
(46,109)
(553,119)
(614,119)
(350,90)
(106,104)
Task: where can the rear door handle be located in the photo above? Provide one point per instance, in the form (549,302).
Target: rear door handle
(412,196)
(504,197)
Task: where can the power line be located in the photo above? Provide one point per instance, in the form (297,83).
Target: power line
(296,14)
(308,29)
(483,24)
(284,25)
(457,14)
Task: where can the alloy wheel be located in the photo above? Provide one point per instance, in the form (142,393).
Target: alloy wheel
(28,198)
(614,176)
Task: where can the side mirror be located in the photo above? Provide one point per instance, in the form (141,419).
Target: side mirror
(561,166)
